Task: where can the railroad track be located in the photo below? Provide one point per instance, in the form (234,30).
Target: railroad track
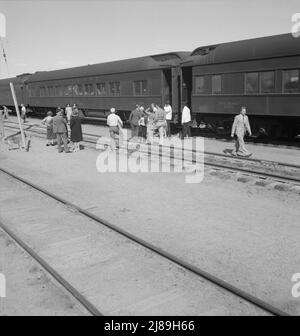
(239,293)
(262,169)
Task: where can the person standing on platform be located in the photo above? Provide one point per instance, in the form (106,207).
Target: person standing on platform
(23,113)
(142,125)
(5,112)
(160,122)
(240,126)
(115,124)
(60,130)
(168,110)
(48,121)
(134,118)
(76,130)
(68,111)
(185,121)
(150,113)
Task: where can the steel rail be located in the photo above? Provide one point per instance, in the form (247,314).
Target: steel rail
(63,282)
(196,270)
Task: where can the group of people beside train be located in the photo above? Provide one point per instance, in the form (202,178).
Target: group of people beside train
(144,123)
(64,128)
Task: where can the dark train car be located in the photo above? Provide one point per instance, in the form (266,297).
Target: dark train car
(96,88)
(20,90)
(261,74)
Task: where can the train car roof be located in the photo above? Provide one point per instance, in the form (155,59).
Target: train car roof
(13,80)
(245,50)
(19,79)
(128,65)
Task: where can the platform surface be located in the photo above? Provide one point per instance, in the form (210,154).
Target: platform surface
(260,151)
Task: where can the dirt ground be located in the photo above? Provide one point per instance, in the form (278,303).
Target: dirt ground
(245,234)
(29,290)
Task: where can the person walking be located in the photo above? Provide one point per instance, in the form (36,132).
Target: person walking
(60,130)
(76,130)
(115,124)
(168,110)
(134,118)
(240,126)
(48,121)
(185,121)
(23,113)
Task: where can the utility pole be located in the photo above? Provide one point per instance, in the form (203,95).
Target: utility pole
(18,114)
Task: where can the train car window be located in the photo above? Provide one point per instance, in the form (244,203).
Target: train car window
(91,89)
(216,84)
(101,89)
(251,83)
(267,82)
(86,89)
(114,88)
(202,84)
(76,90)
(144,87)
(58,91)
(137,88)
(51,91)
(69,90)
(291,81)
(140,88)
(79,89)
(42,91)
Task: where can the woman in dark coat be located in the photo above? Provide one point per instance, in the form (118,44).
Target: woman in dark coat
(76,129)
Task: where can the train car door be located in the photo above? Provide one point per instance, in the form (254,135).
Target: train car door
(186,86)
(167,86)
(176,93)
(172,90)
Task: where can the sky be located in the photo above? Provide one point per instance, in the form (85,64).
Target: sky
(52,34)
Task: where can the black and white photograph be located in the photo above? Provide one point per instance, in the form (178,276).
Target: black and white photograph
(149,161)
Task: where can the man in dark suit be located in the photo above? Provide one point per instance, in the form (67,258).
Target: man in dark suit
(134,118)
(60,130)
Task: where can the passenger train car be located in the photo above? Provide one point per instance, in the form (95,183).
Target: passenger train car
(261,74)
(96,88)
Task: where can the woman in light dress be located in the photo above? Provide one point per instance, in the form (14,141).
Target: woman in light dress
(48,121)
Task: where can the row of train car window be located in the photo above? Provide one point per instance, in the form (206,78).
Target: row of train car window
(140,88)
(254,83)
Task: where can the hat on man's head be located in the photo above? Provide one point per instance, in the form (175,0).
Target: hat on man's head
(113,110)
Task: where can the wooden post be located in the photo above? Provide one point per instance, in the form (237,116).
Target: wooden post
(18,114)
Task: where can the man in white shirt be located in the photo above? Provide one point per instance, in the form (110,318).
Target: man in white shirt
(185,121)
(239,128)
(115,123)
(23,113)
(168,110)
(68,111)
